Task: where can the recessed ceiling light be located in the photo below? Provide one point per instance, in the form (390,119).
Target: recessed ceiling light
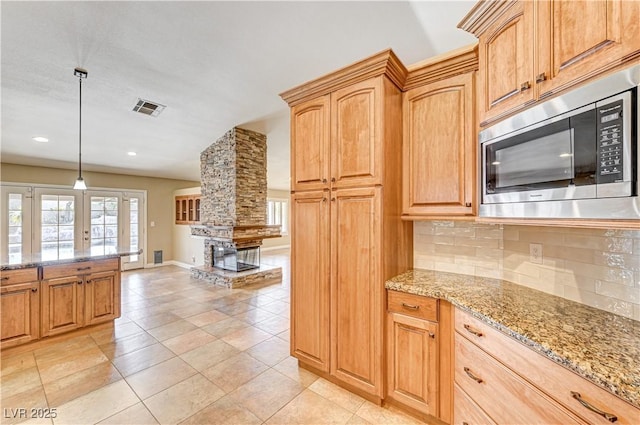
(41,139)
(132,153)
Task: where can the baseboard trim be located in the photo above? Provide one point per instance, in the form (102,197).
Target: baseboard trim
(170,263)
(274,248)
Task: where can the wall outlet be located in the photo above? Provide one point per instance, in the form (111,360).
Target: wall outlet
(535,253)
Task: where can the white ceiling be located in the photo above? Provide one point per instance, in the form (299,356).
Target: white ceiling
(215,65)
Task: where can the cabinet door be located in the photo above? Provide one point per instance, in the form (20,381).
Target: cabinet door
(357,306)
(310,278)
(581,38)
(413,363)
(20,313)
(356,149)
(102,297)
(62,307)
(506,52)
(439,148)
(310,134)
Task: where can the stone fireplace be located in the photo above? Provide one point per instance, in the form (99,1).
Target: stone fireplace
(233,210)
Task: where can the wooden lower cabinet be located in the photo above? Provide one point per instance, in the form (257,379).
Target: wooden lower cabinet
(102,297)
(508,382)
(310,272)
(412,362)
(62,305)
(20,307)
(79,294)
(357,293)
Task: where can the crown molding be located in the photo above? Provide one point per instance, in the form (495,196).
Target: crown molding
(383,63)
(459,61)
(483,14)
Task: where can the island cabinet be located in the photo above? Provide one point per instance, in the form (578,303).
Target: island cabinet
(346,162)
(532,50)
(439,138)
(79,294)
(19,292)
(499,380)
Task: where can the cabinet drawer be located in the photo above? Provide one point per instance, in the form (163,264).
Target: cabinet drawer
(413,305)
(503,395)
(555,380)
(79,268)
(11,277)
(466,411)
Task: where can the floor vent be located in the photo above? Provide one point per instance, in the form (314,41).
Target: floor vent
(148,108)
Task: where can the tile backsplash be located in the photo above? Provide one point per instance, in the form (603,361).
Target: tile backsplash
(598,267)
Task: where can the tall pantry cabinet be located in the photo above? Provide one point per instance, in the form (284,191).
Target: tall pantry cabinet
(346,233)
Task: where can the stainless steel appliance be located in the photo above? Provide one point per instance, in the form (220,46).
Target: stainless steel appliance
(574,156)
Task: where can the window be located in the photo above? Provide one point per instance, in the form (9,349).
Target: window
(15,227)
(278,213)
(104,224)
(57,225)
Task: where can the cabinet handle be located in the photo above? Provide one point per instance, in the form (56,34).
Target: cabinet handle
(4,278)
(81,269)
(525,86)
(89,281)
(468,205)
(411,307)
(79,282)
(472,376)
(465,423)
(324,199)
(473,331)
(541,77)
(608,416)
(34,289)
(324,180)
(333,199)
(432,335)
(333,179)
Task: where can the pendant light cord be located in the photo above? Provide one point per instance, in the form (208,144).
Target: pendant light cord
(80,133)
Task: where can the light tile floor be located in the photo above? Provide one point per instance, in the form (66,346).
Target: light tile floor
(183,352)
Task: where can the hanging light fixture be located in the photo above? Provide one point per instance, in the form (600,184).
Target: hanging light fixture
(79,184)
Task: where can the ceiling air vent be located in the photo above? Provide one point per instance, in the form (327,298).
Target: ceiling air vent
(148,108)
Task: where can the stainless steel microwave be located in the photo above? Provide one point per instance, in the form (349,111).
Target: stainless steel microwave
(574,156)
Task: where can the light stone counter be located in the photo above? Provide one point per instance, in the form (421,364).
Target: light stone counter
(600,346)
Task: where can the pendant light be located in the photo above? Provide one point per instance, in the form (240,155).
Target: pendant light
(79,184)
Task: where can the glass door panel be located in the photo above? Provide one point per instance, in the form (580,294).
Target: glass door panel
(16,224)
(58,214)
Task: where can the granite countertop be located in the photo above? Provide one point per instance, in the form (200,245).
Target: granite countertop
(600,346)
(28,261)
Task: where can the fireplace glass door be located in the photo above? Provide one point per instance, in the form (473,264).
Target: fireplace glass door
(236,259)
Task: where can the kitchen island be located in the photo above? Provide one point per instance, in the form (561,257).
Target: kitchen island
(46,297)
(601,347)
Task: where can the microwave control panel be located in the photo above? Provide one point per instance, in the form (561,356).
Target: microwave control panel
(610,142)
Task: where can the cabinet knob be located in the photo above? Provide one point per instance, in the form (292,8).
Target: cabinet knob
(333,199)
(525,86)
(324,199)
(541,77)
(333,179)
(608,416)
(4,278)
(324,180)
(432,335)
(34,289)
(89,281)
(79,282)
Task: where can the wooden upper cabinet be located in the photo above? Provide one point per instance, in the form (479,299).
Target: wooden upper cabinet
(356,153)
(581,38)
(532,50)
(506,55)
(310,133)
(310,272)
(439,148)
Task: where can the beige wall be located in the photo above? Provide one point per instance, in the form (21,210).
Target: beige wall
(600,268)
(159,196)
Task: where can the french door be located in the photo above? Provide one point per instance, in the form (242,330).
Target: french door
(58,222)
